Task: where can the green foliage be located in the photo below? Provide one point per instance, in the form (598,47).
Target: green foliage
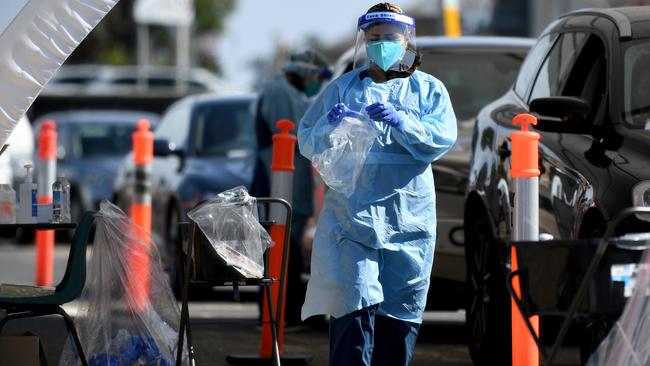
(114,39)
(211,14)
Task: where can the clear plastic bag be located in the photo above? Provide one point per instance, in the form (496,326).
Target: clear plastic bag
(116,326)
(627,342)
(230,222)
(341,164)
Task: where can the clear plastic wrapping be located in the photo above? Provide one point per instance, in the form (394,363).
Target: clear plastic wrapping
(230,222)
(116,326)
(627,343)
(341,164)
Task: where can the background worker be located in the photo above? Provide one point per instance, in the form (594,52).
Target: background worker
(373,251)
(287,96)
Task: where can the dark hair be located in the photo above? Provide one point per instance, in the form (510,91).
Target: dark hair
(392,8)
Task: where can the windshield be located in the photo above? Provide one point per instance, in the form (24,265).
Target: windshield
(224,129)
(101,139)
(473,78)
(636,80)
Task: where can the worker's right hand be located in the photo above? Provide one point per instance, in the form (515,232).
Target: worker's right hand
(337,113)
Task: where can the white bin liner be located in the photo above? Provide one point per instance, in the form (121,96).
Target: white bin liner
(115,325)
(341,164)
(231,224)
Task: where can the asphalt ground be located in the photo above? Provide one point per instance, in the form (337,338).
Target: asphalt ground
(221,328)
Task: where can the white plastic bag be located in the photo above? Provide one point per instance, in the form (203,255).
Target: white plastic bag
(627,342)
(341,164)
(230,222)
(116,325)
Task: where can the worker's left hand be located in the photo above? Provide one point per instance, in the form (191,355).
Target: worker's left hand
(384,112)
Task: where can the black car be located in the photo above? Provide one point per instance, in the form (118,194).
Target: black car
(587,80)
(91,145)
(204,145)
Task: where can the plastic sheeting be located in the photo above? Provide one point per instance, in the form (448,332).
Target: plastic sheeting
(627,344)
(35,44)
(341,164)
(231,224)
(114,328)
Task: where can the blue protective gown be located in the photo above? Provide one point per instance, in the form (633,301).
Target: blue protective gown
(282,100)
(377,245)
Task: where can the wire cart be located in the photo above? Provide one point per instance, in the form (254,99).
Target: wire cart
(202,267)
(573,278)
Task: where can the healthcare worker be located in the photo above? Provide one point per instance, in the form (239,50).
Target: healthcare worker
(287,97)
(373,251)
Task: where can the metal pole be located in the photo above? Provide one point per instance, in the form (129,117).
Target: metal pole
(47,145)
(451,18)
(282,169)
(139,259)
(526,217)
(525,175)
(182,57)
(143,56)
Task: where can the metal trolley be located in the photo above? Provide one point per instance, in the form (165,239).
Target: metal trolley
(571,278)
(202,267)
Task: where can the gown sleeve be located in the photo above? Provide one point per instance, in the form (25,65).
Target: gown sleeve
(431,136)
(314,129)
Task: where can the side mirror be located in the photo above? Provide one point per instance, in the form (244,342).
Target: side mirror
(162,148)
(165,148)
(561,114)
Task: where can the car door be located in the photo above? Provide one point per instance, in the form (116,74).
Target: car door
(575,67)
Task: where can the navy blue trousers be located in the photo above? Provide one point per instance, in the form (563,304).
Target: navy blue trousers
(363,338)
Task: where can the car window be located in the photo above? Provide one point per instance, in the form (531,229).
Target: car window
(555,69)
(224,129)
(636,84)
(174,125)
(101,139)
(458,71)
(531,64)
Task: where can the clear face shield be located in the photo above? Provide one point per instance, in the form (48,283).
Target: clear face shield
(387,40)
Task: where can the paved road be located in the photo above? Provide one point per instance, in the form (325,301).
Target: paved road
(221,328)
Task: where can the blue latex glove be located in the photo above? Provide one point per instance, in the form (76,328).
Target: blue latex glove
(339,111)
(384,112)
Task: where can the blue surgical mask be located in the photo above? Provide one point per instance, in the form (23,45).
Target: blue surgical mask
(385,53)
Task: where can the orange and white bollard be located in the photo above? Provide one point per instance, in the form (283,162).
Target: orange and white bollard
(282,168)
(525,174)
(47,140)
(138,283)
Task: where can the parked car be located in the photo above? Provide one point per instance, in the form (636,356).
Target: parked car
(587,79)
(475,70)
(204,145)
(91,145)
(108,78)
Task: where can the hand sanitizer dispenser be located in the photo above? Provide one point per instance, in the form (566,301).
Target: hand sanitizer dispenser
(27,209)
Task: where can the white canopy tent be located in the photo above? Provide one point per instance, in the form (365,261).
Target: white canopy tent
(36,37)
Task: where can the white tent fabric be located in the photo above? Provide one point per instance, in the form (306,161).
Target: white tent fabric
(33,45)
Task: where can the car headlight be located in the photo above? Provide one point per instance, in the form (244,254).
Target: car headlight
(641,197)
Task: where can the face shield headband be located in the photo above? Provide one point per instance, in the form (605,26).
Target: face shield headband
(387,53)
(385,17)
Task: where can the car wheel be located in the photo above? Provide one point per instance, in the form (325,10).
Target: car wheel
(169,252)
(487,308)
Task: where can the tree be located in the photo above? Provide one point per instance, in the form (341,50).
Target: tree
(113,41)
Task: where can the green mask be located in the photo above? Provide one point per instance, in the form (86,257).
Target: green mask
(313,87)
